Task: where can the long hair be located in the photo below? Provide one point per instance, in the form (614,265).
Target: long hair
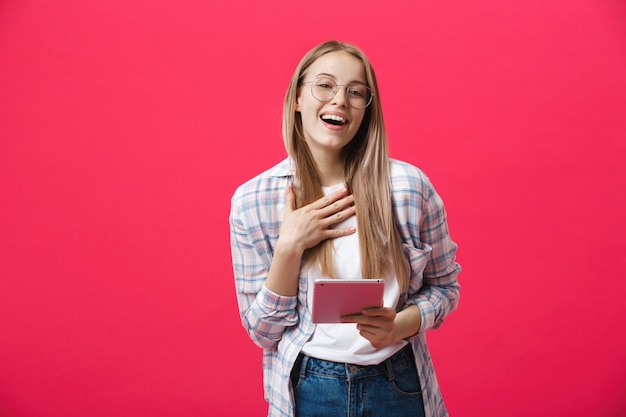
(366,172)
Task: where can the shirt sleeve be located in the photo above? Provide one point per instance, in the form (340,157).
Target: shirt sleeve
(433,285)
(440,290)
(264,314)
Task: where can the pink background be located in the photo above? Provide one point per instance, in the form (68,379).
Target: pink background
(125,126)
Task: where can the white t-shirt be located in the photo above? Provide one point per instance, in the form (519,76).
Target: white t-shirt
(342,342)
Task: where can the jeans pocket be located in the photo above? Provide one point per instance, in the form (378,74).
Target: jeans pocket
(406,381)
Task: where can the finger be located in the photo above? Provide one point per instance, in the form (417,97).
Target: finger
(350,318)
(334,233)
(330,199)
(332,214)
(338,205)
(368,332)
(379,311)
(360,319)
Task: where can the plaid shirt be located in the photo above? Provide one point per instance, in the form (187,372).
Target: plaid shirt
(281,325)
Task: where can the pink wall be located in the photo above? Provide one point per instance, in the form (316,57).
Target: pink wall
(125,126)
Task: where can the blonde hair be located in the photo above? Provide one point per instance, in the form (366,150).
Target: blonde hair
(366,172)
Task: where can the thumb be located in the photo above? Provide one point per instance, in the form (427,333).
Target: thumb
(290,199)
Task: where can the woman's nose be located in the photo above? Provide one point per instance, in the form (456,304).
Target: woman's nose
(340,97)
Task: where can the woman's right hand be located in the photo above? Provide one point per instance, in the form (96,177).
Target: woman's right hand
(309,225)
(302,229)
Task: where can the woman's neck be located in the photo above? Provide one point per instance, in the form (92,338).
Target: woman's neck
(330,170)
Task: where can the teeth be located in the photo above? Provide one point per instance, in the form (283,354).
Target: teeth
(333,117)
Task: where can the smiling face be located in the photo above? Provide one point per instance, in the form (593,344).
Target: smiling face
(329,126)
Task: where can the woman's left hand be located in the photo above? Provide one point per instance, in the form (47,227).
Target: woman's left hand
(376,325)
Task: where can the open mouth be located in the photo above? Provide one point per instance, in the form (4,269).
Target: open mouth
(333,119)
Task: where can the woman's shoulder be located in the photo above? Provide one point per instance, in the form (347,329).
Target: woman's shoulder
(408,177)
(265,186)
(282,170)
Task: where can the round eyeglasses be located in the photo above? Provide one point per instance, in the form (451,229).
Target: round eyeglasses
(324,89)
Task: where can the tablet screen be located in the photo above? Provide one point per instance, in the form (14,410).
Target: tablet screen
(333,298)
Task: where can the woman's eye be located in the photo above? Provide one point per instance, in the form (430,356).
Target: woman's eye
(324,85)
(356,92)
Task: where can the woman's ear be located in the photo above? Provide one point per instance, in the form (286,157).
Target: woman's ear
(297,106)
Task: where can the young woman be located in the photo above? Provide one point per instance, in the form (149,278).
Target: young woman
(338,207)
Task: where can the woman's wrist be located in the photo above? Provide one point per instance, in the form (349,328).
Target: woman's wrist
(408,323)
(283,275)
(288,249)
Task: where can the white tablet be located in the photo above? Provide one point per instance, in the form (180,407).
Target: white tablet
(333,298)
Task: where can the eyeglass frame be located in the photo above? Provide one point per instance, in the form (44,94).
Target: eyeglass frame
(336,90)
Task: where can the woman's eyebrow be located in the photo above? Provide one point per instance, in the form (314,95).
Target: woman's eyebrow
(325,74)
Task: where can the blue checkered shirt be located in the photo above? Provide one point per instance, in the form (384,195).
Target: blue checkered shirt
(281,325)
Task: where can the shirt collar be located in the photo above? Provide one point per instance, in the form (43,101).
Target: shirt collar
(285,168)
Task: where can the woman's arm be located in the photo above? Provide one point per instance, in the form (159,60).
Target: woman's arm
(437,292)
(433,291)
(264,314)
(266,279)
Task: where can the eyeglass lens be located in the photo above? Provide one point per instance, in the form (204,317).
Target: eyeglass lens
(358,95)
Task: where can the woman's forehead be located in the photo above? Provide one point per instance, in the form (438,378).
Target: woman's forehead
(339,65)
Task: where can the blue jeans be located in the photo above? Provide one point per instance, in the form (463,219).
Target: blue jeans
(332,389)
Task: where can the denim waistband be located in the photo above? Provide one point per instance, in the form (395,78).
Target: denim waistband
(404,357)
